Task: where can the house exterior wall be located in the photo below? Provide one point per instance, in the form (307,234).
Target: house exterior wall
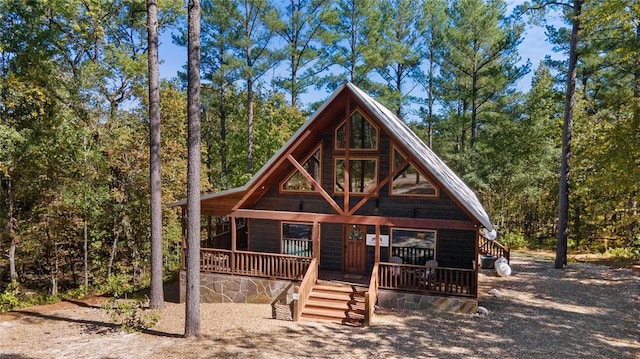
(456,248)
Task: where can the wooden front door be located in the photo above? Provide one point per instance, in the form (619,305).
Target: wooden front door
(355,253)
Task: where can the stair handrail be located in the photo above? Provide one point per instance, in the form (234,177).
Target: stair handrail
(494,248)
(370,296)
(302,291)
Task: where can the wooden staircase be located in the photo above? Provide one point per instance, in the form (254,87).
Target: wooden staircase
(493,248)
(335,303)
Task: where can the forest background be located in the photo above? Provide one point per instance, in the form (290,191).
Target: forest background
(74,145)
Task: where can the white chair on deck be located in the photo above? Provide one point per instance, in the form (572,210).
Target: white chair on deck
(396,260)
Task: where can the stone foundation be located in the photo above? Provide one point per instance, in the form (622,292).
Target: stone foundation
(413,301)
(225,288)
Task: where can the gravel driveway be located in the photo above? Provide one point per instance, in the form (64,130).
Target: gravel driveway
(584,311)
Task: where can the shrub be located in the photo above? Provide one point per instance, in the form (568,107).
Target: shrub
(513,240)
(130,314)
(10,298)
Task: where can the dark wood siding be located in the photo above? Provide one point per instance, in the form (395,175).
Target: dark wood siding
(265,235)
(331,247)
(456,249)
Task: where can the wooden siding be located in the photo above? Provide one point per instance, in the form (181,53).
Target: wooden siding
(456,249)
(331,247)
(265,235)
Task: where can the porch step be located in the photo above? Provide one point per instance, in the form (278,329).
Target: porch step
(335,303)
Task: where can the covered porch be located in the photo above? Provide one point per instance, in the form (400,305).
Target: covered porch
(300,261)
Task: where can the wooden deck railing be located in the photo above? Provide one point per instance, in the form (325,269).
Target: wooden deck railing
(371,295)
(413,255)
(493,248)
(303,290)
(438,281)
(297,247)
(268,265)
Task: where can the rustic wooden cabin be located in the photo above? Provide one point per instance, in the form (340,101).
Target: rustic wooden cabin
(352,211)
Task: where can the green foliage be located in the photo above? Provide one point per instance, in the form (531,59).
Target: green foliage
(10,297)
(130,314)
(514,240)
(118,286)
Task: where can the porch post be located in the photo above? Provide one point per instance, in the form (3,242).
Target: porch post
(184,236)
(233,243)
(316,240)
(377,251)
(209,230)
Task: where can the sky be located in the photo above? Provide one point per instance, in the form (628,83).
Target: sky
(533,48)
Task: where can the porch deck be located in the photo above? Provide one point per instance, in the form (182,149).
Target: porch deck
(439,281)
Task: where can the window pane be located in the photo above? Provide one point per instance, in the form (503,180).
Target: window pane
(362,175)
(414,246)
(299,183)
(410,181)
(297,239)
(363,134)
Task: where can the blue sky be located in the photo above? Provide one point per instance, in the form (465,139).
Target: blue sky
(534,48)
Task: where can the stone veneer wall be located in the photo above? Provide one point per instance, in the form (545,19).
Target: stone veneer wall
(225,288)
(399,300)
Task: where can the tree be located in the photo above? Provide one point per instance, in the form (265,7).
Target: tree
(155,177)
(300,26)
(192,316)
(403,49)
(434,19)
(352,40)
(480,62)
(252,20)
(573,11)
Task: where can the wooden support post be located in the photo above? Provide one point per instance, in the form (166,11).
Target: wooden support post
(209,231)
(233,243)
(316,240)
(377,251)
(184,237)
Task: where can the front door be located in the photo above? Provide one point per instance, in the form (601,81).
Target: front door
(355,253)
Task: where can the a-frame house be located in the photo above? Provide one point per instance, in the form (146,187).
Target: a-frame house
(353,197)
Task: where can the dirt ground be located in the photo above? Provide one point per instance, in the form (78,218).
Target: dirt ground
(584,311)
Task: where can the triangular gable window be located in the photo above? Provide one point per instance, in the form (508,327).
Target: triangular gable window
(410,181)
(297,182)
(364,135)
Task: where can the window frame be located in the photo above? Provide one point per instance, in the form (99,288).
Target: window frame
(351,159)
(281,188)
(282,237)
(344,122)
(435,238)
(392,163)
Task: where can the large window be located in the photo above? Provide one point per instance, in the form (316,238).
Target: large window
(363,135)
(299,183)
(410,181)
(297,239)
(413,246)
(363,176)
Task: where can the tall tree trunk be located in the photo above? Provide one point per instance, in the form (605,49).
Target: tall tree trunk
(192,314)
(430,95)
(11,231)
(156,299)
(569,104)
(474,110)
(85,247)
(223,131)
(250,124)
(249,75)
(114,248)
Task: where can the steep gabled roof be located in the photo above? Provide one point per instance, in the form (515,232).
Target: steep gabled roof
(438,169)
(401,134)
